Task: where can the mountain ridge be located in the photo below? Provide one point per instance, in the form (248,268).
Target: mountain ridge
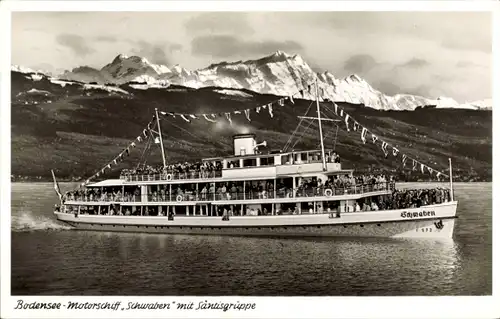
(279,74)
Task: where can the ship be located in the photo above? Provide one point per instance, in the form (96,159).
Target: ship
(296,193)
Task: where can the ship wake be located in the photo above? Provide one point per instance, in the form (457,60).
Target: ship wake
(27,222)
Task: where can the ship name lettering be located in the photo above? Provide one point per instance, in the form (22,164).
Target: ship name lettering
(423,213)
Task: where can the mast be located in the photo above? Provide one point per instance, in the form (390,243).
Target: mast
(320,128)
(451,181)
(161,139)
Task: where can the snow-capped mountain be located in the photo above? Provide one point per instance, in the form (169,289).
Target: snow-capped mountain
(280,74)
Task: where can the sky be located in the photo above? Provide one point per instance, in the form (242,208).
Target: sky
(425,53)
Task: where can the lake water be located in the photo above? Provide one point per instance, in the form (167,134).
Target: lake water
(49,258)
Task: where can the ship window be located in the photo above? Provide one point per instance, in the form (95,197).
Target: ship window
(361,225)
(265,161)
(378,224)
(249,162)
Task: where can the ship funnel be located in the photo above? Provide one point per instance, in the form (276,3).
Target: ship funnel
(244,144)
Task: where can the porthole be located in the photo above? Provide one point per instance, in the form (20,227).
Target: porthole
(345,226)
(272,228)
(246,228)
(113,225)
(190,227)
(318,226)
(146,227)
(378,224)
(284,227)
(361,225)
(180,227)
(123,226)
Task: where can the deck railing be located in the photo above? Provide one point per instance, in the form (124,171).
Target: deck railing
(248,195)
(171,176)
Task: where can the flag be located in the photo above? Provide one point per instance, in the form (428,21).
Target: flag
(405,158)
(185,118)
(430,170)
(56,187)
(163,113)
(270,108)
(414,165)
(438,174)
(115,162)
(237,112)
(374,138)
(257,109)
(145,132)
(206,118)
(347,122)
(363,135)
(291,99)
(395,151)
(247,114)
(342,113)
(422,167)
(132,144)
(355,126)
(384,148)
(193,116)
(281,102)
(157,140)
(228,116)
(336,107)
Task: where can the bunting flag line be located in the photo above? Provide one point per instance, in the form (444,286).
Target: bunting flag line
(395,151)
(363,135)
(247,114)
(210,120)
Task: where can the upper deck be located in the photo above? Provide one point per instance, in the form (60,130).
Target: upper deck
(247,167)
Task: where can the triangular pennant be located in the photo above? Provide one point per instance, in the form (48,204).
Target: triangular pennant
(171,114)
(109,166)
(363,135)
(430,170)
(336,108)
(185,118)
(281,102)
(438,175)
(374,138)
(291,99)
(97,175)
(414,165)
(127,151)
(422,167)
(228,116)
(347,122)
(384,148)
(132,144)
(115,162)
(210,120)
(270,108)
(355,126)
(395,151)
(257,109)
(341,113)
(247,114)
(145,132)
(139,138)
(237,112)
(405,158)
(163,113)
(193,116)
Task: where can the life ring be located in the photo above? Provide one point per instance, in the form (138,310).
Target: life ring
(169,177)
(328,192)
(179,198)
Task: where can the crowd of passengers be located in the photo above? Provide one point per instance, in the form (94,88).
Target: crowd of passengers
(405,198)
(179,170)
(195,170)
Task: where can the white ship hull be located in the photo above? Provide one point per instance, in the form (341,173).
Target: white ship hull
(433,221)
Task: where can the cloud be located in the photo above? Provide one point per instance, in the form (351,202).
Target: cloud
(387,88)
(217,22)
(415,63)
(75,43)
(158,53)
(105,38)
(360,63)
(224,46)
